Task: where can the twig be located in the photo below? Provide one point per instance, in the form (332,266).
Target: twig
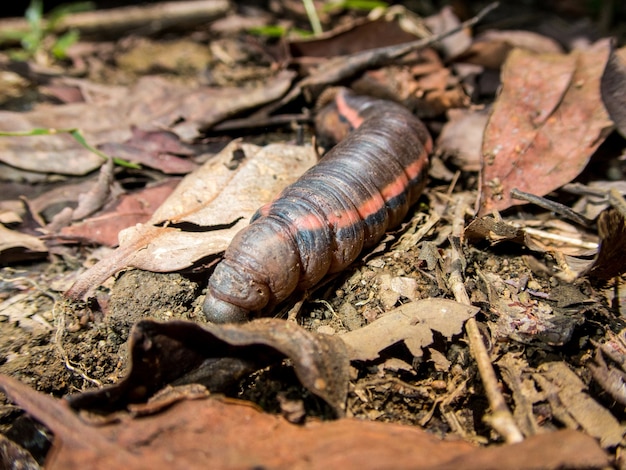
(560,238)
(583,190)
(501,419)
(553,206)
(149,18)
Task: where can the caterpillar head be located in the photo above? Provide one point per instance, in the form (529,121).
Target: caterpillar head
(233,293)
(221,311)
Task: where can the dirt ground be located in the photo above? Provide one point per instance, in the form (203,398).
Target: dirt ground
(534,316)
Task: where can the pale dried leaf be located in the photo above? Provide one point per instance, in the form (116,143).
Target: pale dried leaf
(216,198)
(412,323)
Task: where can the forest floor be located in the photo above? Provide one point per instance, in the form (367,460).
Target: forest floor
(485,331)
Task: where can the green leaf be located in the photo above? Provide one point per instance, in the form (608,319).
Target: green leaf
(11,35)
(363,5)
(272,31)
(62,44)
(34,14)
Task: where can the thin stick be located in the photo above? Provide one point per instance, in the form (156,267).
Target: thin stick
(501,419)
(149,18)
(553,206)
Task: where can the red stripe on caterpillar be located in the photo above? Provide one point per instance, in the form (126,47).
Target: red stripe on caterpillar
(320,224)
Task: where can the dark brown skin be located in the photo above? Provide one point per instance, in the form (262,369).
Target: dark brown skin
(321,223)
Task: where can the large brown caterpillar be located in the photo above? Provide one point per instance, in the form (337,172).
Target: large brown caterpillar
(321,223)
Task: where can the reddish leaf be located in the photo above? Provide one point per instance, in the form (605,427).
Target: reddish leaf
(545,125)
(131,209)
(194,431)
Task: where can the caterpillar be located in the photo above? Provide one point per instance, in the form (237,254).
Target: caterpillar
(362,187)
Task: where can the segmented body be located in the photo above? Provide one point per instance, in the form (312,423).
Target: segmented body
(320,224)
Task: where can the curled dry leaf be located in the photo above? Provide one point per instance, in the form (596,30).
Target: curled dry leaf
(614,88)
(16,246)
(206,432)
(219,355)
(545,125)
(412,323)
(609,365)
(611,259)
(493,230)
(216,201)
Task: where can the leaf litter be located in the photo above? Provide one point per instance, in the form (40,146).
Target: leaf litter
(544,297)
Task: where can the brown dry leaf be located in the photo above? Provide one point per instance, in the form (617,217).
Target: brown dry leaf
(545,125)
(155,149)
(596,420)
(129,210)
(428,87)
(215,198)
(611,259)
(609,364)
(514,371)
(16,246)
(446,20)
(614,88)
(218,356)
(152,103)
(495,231)
(202,432)
(462,136)
(491,48)
(358,35)
(412,323)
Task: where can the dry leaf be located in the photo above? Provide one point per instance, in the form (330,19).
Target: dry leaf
(412,323)
(129,210)
(462,136)
(16,246)
(491,48)
(614,88)
(153,103)
(200,432)
(545,125)
(218,356)
(611,259)
(217,200)
(596,420)
(495,231)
